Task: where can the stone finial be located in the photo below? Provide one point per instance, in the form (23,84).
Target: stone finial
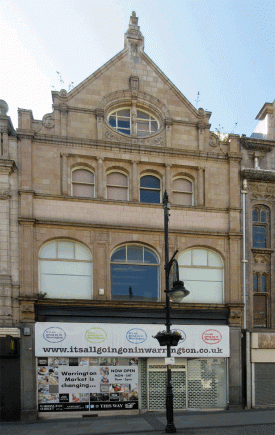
(3,107)
(133,39)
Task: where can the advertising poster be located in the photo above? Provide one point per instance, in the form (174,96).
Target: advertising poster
(83,384)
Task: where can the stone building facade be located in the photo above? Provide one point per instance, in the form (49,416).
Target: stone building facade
(258,177)
(9,262)
(91,179)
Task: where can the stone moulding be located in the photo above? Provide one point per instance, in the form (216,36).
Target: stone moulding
(256,145)
(258,174)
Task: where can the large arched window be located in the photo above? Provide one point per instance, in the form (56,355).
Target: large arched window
(65,270)
(134,273)
(150,189)
(117,186)
(260,225)
(202,272)
(83,183)
(133,122)
(182,191)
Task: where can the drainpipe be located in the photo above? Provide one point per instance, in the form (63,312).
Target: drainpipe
(244,261)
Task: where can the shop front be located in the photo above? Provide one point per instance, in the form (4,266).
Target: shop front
(94,367)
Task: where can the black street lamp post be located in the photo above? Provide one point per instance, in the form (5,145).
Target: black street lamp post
(179,292)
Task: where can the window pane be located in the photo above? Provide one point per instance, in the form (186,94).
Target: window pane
(142,279)
(151,196)
(117,193)
(142,115)
(255,214)
(263,216)
(255,282)
(201,274)
(119,254)
(199,257)
(154,126)
(214,259)
(259,311)
(66,287)
(117,179)
(82,253)
(124,112)
(259,236)
(182,198)
(263,283)
(83,190)
(112,121)
(65,250)
(144,126)
(185,258)
(182,185)
(150,257)
(83,176)
(69,268)
(48,251)
(203,291)
(123,123)
(150,181)
(135,254)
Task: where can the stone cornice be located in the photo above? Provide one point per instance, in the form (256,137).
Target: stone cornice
(254,144)
(7,165)
(258,175)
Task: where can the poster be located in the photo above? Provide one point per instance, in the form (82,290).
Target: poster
(83,384)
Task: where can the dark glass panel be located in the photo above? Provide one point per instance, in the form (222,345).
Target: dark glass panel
(263,283)
(255,282)
(259,311)
(142,115)
(135,254)
(142,279)
(255,215)
(154,126)
(150,257)
(123,123)
(119,254)
(112,121)
(263,216)
(124,112)
(150,181)
(151,196)
(259,236)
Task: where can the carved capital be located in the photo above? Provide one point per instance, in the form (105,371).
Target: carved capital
(99,113)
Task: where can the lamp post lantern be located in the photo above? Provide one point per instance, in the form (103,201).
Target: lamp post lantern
(177,292)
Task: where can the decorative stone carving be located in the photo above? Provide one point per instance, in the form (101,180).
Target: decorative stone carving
(102,237)
(258,174)
(250,144)
(261,258)
(27,308)
(48,120)
(134,84)
(63,93)
(99,113)
(235,317)
(213,140)
(63,107)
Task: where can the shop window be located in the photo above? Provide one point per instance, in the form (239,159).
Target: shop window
(133,122)
(150,189)
(182,191)
(202,271)
(117,186)
(260,226)
(83,183)
(134,273)
(65,270)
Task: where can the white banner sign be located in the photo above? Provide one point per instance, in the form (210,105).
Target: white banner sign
(127,340)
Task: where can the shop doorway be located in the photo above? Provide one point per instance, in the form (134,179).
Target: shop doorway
(9,388)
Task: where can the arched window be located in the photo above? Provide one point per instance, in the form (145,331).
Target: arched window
(131,122)
(260,226)
(134,273)
(182,191)
(83,183)
(150,189)
(117,186)
(202,272)
(65,270)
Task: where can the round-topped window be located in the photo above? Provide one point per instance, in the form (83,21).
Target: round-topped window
(134,123)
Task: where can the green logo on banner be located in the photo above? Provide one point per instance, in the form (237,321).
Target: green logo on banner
(95,335)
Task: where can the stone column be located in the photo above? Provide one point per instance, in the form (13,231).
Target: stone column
(200,188)
(101,183)
(168,179)
(134,182)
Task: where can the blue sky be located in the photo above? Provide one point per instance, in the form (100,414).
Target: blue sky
(223,49)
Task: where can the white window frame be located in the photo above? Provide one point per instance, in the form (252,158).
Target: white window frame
(114,185)
(85,184)
(130,107)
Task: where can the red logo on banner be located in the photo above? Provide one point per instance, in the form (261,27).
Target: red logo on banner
(211,336)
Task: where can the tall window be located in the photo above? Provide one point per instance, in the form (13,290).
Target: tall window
(260,300)
(260,225)
(83,183)
(128,122)
(134,273)
(202,273)
(65,270)
(182,191)
(150,189)
(117,186)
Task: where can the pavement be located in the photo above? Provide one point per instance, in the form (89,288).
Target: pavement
(240,422)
